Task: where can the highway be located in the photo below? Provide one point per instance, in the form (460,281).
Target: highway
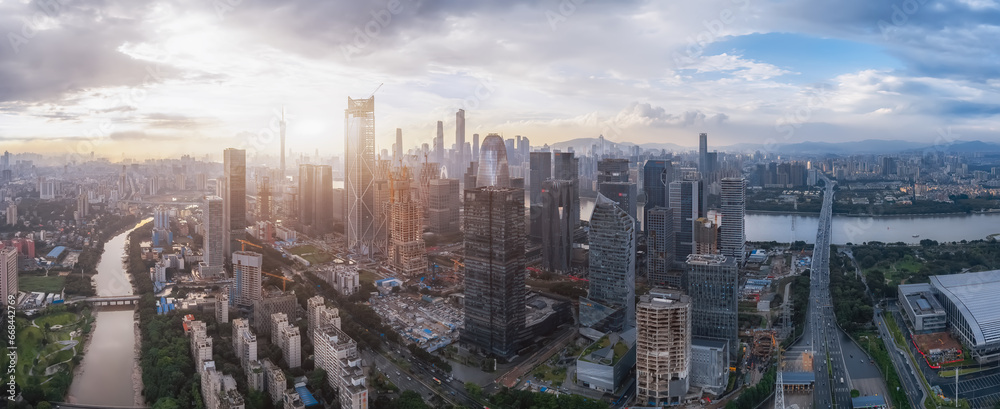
(821,333)
(913,387)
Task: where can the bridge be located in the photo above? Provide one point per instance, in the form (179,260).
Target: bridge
(113,300)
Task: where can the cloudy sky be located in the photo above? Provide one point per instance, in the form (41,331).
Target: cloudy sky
(163,78)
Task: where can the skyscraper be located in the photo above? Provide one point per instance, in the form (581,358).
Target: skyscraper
(540,166)
(734,207)
(359,173)
(8,273)
(213,240)
(397,153)
(246,278)
(703,152)
(660,247)
(439,143)
(443,206)
(556,224)
(712,281)
(475,147)
(612,259)
(460,139)
(316,198)
(235,197)
(656,176)
(685,199)
(612,170)
(622,193)
(162,236)
(566,167)
(706,236)
(282,130)
(663,348)
(493,168)
(494,269)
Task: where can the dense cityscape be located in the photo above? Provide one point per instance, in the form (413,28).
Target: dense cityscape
(561,204)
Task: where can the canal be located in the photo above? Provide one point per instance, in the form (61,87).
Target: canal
(108,376)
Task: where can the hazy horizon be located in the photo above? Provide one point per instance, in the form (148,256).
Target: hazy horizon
(169,78)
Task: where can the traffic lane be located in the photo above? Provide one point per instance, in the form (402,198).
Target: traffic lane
(858,363)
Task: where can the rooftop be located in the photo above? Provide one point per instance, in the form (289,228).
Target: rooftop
(974,295)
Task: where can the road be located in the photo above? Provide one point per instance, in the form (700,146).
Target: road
(821,333)
(421,379)
(914,388)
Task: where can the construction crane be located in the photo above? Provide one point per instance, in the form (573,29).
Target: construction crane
(458,263)
(286,280)
(244,245)
(376,89)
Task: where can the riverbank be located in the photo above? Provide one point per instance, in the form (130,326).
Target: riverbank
(137,384)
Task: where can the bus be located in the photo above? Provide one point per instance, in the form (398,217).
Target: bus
(437,380)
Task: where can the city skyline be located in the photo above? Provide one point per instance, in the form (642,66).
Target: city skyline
(149,81)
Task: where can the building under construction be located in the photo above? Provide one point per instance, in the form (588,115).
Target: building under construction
(663,348)
(407,254)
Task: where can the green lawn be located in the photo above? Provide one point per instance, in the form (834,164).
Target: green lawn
(311,254)
(546,373)
(29,341)
(963,371)
(41,284)
(303,249)
(62,318)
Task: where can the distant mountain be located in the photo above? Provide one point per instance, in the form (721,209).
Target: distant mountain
(964,147)
(583,144)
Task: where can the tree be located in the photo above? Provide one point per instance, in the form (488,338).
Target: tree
(410,400)
(166,403)
(43,405)
(317,377)
(474,389)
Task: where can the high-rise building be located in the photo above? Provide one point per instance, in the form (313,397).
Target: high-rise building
(282,130)
(162,236)
(234,198)
(264,198)
(320,315)
(222,306)
(439,143)
(397,148)
(443,205)
(407,254)
(287,338)
(703,152)
(316,198)
(244,342)
(612,170)
(660,247)
(733,229)
(359,174)
(622,193)
(11,214)
(460,138)
(685,199)
(663,348)
(556,223)
(475,147)
(246,278)
(213,240)
(656,176)
(712,281)
(337,354)
(493,167)
(494,269)
(706,236)
(540,167)
(612,259)
(8,273)
(566,167)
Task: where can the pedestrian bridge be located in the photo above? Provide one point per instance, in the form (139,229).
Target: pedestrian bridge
(113,300)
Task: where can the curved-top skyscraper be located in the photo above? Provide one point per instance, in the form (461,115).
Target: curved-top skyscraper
(493,169)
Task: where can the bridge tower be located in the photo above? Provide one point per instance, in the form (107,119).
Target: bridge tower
(779,386)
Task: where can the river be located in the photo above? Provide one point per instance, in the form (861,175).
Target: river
(105,377)
(848,229)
